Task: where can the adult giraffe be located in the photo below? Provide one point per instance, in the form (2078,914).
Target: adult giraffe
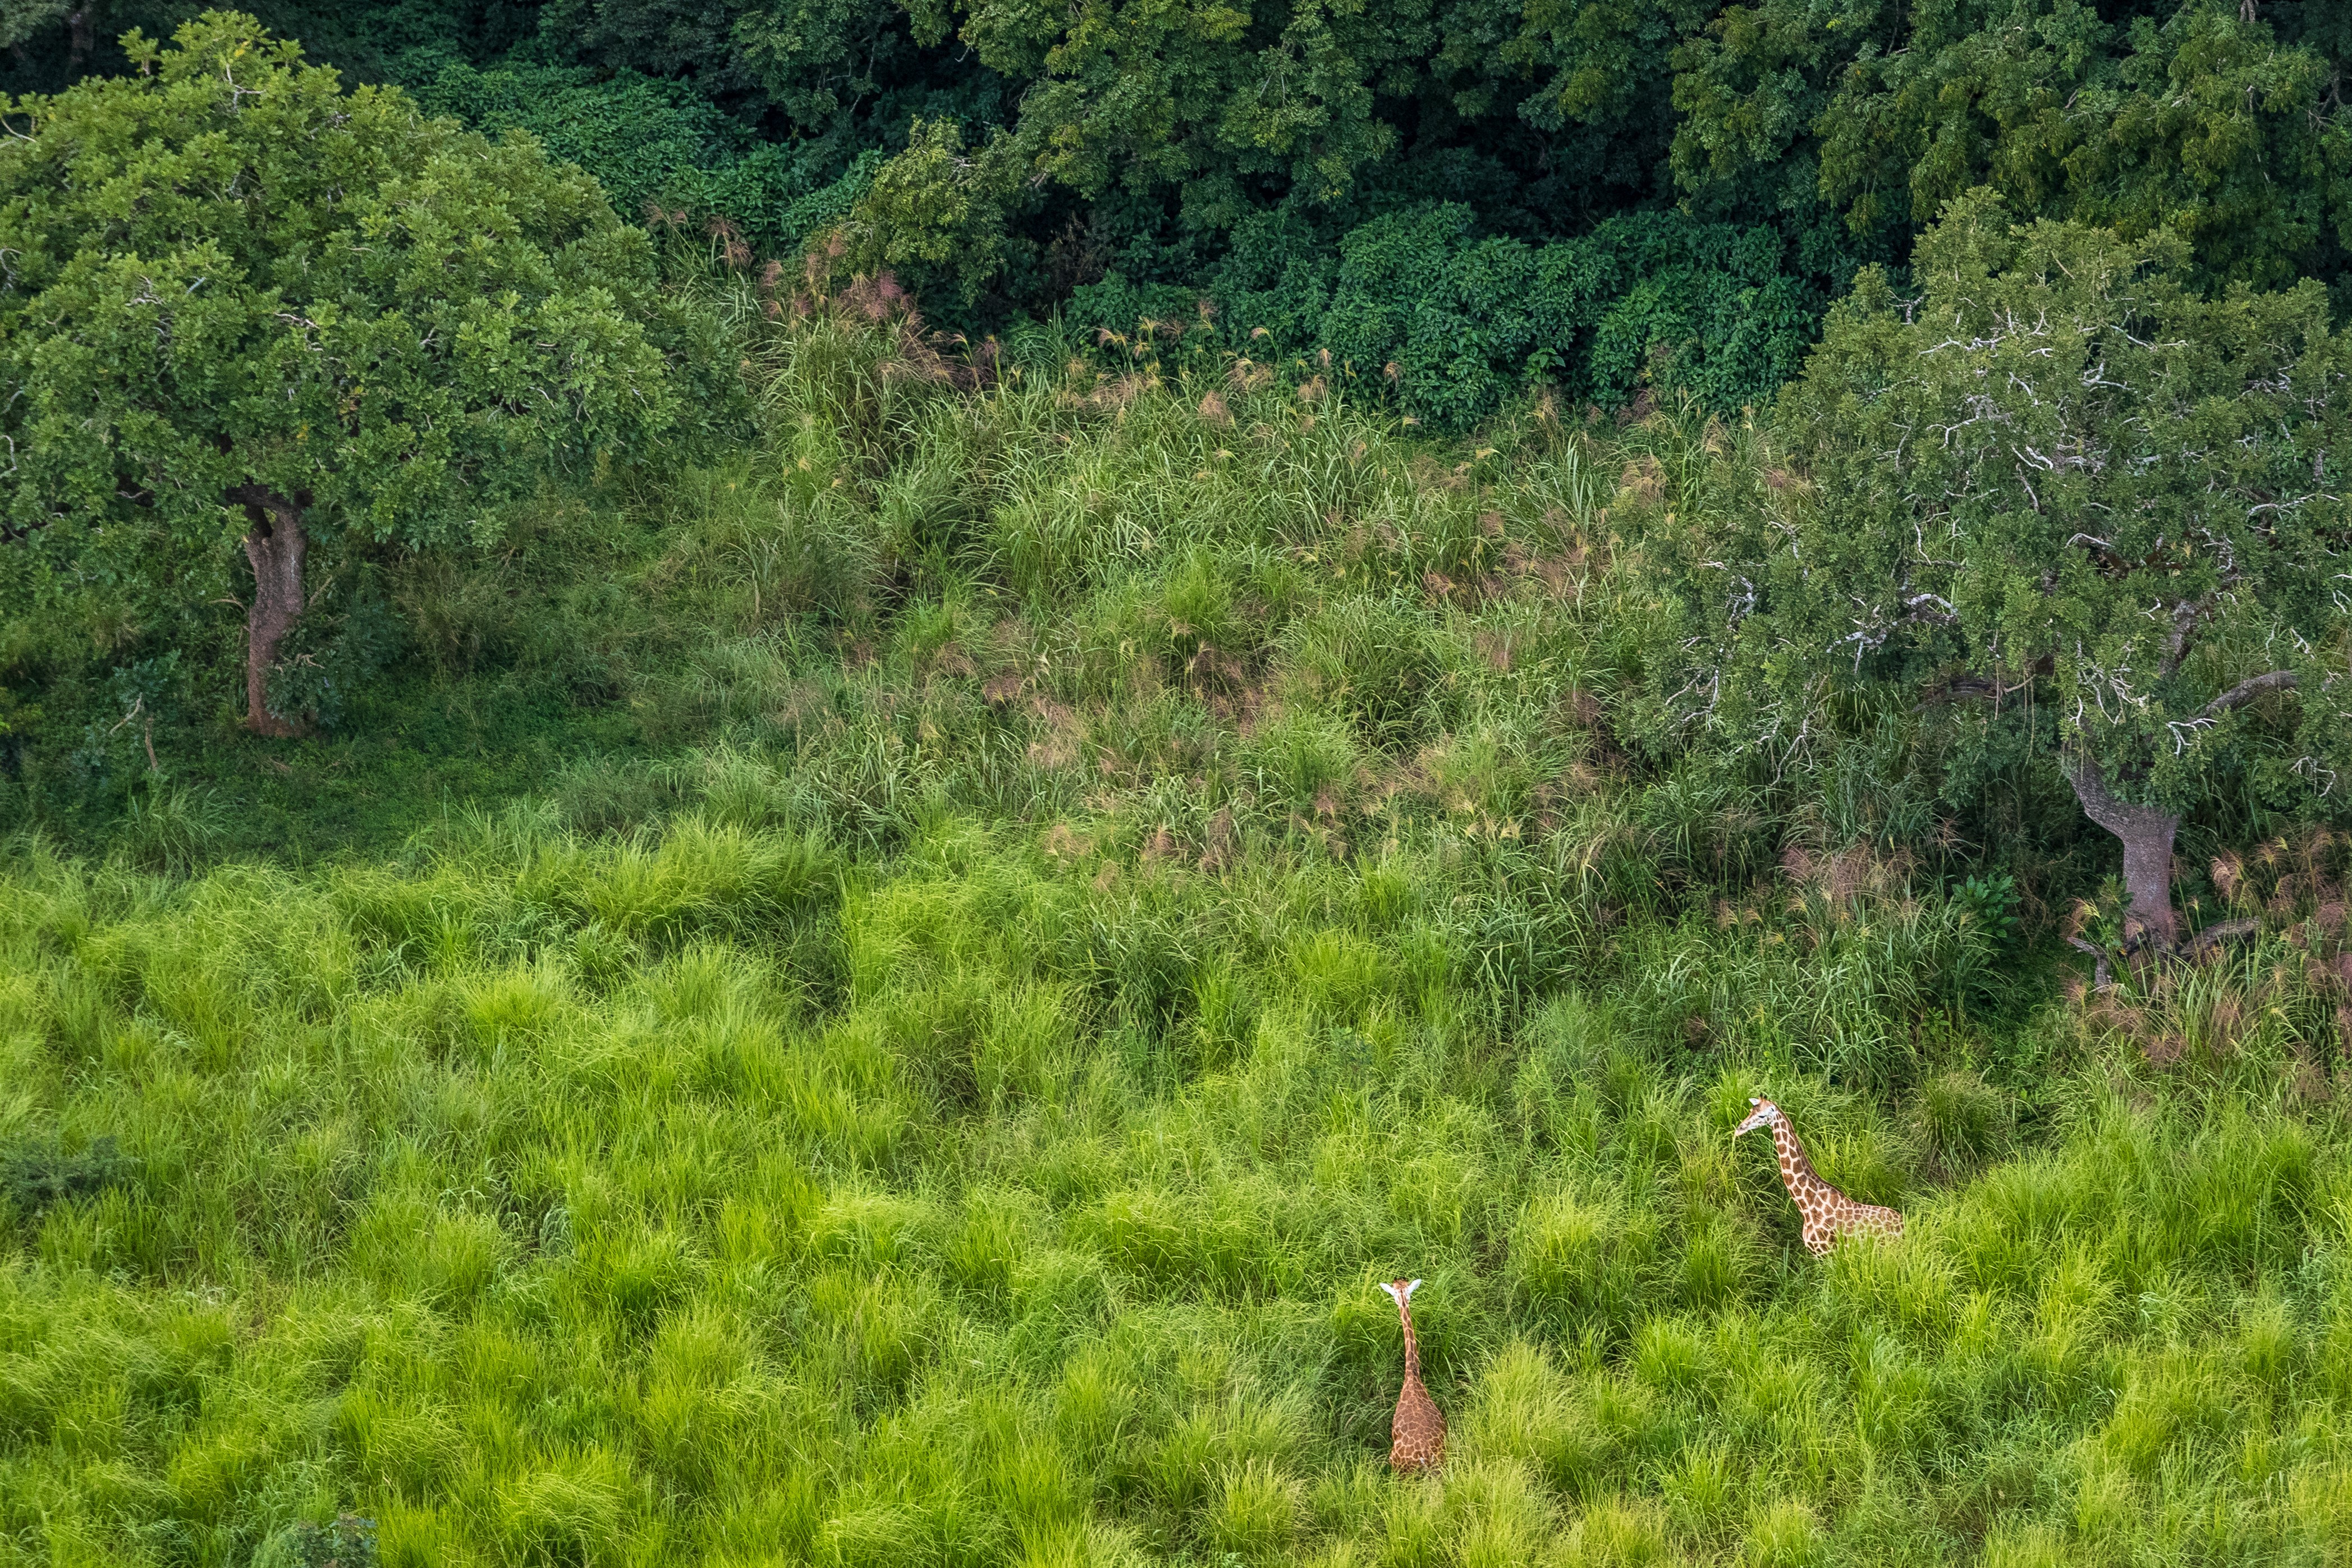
(1829,1213)
(1417,1434)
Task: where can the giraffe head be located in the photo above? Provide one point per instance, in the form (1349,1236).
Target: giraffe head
(1401,1289)
(1760,1114)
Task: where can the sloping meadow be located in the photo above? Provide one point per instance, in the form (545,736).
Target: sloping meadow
(701,1197)
(1128,866)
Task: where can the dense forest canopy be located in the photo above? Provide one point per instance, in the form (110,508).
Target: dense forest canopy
(1119,160)
(1623,205)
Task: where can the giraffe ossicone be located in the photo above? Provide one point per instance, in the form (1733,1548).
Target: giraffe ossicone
(1828,1213)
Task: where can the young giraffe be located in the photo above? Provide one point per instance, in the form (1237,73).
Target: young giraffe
(1829,1213)
(1417,1435)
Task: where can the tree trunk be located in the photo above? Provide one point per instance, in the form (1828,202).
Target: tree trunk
(2146,833)
(274,544)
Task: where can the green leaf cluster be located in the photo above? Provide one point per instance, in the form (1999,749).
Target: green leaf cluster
(654,142)
(1647,298)
(1040,148)
(1459,323)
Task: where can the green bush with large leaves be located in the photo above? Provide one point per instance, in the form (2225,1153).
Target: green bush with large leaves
(654,144)
(1458,322)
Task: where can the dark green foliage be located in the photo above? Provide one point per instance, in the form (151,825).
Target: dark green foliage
(347,1541)
(680,39)
(1845,129)
(1460,324)
(50,43)
(1648,299)
(350,633)
(35,1175)
(654,144)
(2222,120)
(1010,157)
(815,67)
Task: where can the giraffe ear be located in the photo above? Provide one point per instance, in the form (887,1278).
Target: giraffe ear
(1411,1288)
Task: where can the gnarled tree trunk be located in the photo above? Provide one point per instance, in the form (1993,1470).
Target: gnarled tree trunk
(2148,834)
(274,544)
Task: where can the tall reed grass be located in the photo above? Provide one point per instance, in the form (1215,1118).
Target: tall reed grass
(701,1197)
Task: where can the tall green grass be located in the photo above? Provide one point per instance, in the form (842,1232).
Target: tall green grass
(699,1198)
(1069,883)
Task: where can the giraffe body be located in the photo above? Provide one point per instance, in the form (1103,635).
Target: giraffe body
(1417,1432)
(1828,1214)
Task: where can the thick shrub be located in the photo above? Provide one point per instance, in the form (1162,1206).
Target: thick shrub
(654,142)
(1458,321)
(1647,297)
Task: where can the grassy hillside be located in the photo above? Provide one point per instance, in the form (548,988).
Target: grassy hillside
(1006,910)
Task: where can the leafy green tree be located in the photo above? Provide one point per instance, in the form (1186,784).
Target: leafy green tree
(2074,507)
(241,308)
(1200,96)
(1227,108)
(2198,117)
(1456,323)
(936,212)
(652,142)
(1462,322)
(1605,73)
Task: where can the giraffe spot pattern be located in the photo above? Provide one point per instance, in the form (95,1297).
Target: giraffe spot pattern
(1417,1435)
(1417,1432)
(1827,1213)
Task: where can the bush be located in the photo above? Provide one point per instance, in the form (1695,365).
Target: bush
(1649,299)
(37,1175)
(1455,323)
(652,144)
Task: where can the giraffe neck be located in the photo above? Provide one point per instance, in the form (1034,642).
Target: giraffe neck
(1796,1173)
(1412,1346)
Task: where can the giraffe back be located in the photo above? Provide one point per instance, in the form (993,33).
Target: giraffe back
(1841,1217)
(1417,1434)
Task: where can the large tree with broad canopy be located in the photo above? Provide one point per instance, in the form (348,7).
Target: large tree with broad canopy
(2067,502)
(241,307)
